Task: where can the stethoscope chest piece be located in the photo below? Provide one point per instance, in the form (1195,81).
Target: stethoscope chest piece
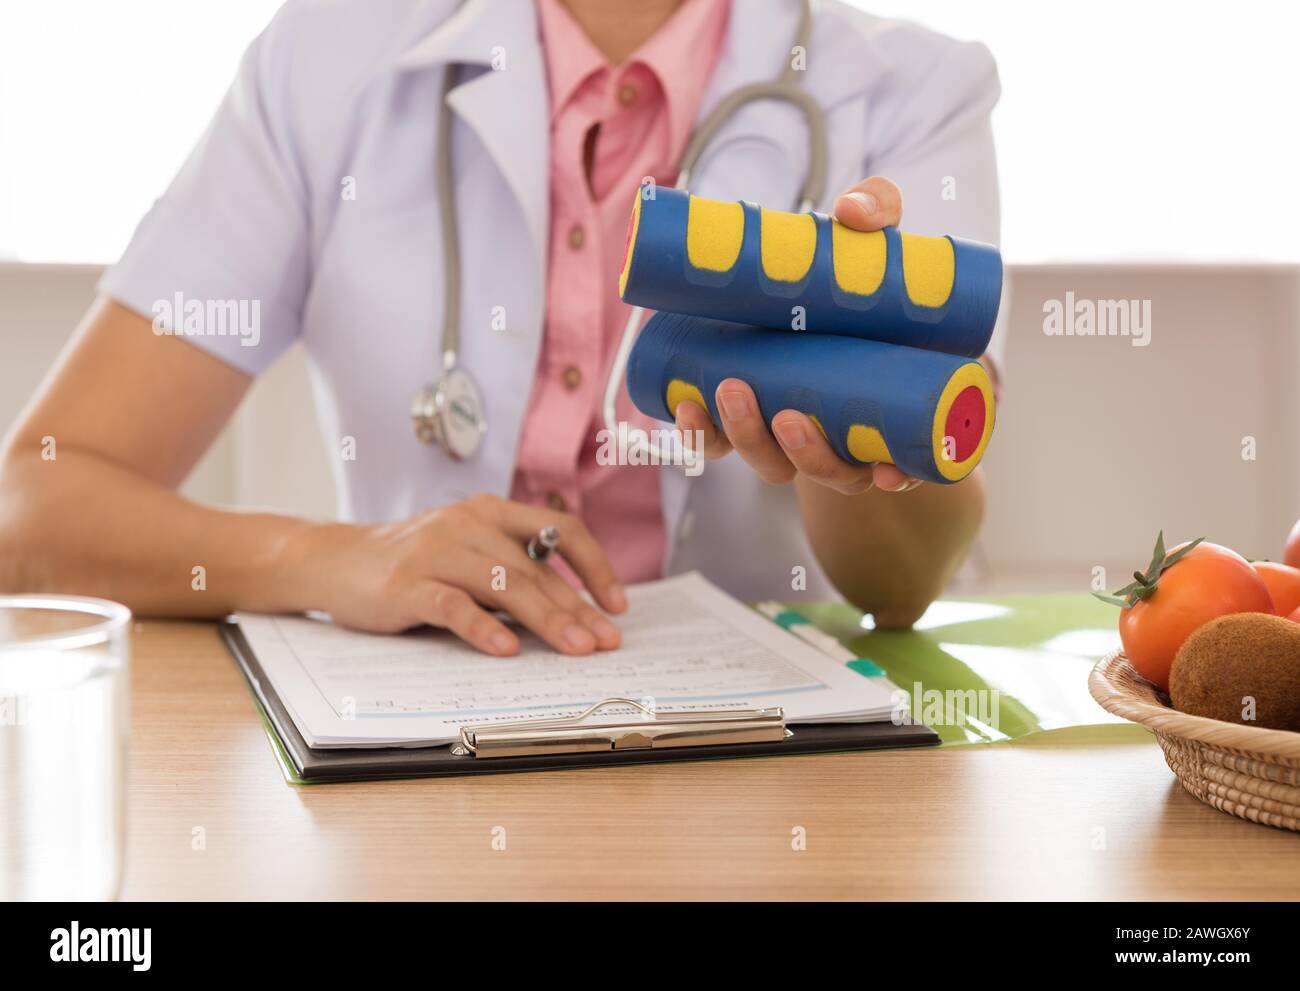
(450,414)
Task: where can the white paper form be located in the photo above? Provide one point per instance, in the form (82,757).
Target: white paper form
(687,646)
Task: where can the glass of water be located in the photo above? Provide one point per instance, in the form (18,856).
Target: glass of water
(63,747)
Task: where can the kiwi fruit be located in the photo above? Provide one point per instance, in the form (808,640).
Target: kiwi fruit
(1234,659)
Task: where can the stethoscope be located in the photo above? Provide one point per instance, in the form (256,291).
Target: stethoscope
(451,413)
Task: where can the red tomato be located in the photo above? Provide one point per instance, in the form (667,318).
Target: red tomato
(1292,555)
(1283,585)
(1209,581)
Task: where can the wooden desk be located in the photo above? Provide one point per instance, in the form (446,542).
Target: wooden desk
(212,818)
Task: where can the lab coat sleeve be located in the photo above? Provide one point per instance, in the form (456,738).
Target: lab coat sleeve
(222,257)
(930,132)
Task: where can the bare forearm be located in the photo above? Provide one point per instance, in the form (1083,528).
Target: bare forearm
(891,553)
(82,525)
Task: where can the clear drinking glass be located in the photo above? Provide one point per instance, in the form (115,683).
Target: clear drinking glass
(63,747)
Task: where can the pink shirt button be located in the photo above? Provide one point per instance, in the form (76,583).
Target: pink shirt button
(609,129)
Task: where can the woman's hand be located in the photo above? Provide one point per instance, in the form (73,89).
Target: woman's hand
(798,447)
(451,566)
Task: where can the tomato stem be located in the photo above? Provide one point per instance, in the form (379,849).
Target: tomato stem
(1144,584)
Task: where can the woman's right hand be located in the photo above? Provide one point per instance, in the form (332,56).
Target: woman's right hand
(94,428)
(451,566)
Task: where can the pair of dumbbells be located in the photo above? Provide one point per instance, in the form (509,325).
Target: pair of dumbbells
(875,336)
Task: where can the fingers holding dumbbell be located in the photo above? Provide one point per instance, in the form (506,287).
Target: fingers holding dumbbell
(748,433)
(698,433)
(809,453)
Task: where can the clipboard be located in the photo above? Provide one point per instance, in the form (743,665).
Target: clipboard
(530,745)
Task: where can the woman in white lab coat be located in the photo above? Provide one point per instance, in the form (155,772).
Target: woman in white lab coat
(338,97)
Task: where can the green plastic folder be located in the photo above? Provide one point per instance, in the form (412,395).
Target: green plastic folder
(990,670)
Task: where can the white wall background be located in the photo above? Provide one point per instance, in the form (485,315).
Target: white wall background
(1128,129)
(1100,444)
(1139,129)
(100,100)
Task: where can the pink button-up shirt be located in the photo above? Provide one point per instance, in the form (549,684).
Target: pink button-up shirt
(611,126)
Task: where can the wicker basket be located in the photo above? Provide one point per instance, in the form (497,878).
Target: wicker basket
(1245,771)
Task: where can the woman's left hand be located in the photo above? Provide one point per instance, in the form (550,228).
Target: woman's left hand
(798,447)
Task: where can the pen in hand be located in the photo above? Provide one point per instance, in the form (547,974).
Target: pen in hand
(541,545)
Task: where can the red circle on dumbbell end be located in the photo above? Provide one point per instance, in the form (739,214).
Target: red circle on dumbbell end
(965,423)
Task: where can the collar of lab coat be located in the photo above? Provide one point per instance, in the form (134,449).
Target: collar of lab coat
(507,108)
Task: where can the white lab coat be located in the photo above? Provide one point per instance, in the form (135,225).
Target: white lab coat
(340,96)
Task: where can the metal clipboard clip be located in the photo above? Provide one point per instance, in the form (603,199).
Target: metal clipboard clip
(574,735)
